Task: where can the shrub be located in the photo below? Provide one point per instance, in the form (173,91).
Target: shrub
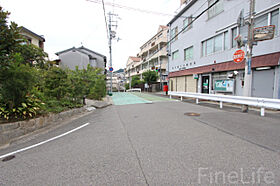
(28,109)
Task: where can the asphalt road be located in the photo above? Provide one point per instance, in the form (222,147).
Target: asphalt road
(152,144)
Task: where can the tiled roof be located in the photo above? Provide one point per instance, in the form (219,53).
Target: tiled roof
(259,61)
(41,38)
(81,49)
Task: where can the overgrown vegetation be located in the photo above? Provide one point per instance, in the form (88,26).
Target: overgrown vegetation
(29,86)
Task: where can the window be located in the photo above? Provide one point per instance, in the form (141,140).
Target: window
(204,48)
(216,9)
(226,41)
(218,43)
(274,20)
(174,33)
(233,36)
(175,55)
(188,54)
(209,46)
(186,22)
(261,21)
(214,44)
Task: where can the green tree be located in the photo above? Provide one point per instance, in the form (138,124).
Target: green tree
(135,80)
(17,76)
(10,39)
(150,76)
(16,82)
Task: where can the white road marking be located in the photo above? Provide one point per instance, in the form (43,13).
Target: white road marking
(43,142)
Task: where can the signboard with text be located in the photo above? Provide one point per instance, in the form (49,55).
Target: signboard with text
(238,56)
(226,85)
(264,33)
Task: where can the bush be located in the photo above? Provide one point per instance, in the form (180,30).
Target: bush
(28,109)
(17,81)
(26,81)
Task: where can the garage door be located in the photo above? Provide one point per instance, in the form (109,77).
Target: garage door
(191,84)
(181,84)
(263,83)
(172,84)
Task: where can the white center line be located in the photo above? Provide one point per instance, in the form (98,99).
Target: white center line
(43,142)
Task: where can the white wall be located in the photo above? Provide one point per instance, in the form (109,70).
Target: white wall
(204,28)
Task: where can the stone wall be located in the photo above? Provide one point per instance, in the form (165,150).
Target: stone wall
(10,131)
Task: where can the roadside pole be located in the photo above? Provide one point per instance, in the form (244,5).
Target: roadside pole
(129,78)
(248,71)
(110,50)
(112,35)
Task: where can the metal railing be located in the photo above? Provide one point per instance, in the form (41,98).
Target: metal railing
(134,90)
(251,101)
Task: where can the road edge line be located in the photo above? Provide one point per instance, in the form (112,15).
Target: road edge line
(43,142)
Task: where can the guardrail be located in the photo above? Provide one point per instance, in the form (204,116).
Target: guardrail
(251,101)
(134,90)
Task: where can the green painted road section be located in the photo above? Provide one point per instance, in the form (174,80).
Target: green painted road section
(126,98)
(150,97)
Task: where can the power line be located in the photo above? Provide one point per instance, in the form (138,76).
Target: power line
(133,9)
(104,11)
(183,29)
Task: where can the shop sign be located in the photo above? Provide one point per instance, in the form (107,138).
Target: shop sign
(226,85)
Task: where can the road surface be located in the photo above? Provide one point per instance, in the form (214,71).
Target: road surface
(151,143)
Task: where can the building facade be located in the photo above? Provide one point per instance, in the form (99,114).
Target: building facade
(152,56)
(133,67)
(118,82)
(201,55)
(33,38)
(81,57)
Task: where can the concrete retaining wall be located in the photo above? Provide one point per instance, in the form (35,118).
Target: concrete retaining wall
(10,131)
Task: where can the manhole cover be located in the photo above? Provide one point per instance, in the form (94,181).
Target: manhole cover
(191,114)
(8,158)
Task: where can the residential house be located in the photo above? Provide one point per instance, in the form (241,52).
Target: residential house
(33,38)
(201,56)
(81,57)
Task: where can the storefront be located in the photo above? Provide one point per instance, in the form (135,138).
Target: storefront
(228,78)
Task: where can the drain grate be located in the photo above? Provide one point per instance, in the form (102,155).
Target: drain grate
(192,114)
(8,158)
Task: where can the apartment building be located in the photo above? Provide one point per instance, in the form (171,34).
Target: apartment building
(152,56)
(133,66)
(201,56)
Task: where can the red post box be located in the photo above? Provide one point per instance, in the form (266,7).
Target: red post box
(165,88)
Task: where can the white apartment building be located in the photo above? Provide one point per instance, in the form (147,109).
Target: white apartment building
(201,57)
(152,56)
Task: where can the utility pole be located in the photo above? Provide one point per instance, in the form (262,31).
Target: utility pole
(248,71)
(112,35)
(129,78)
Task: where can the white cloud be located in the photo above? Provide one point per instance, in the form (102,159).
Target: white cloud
(68,23)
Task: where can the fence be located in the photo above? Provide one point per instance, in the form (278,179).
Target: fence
(134,90)
(251,101)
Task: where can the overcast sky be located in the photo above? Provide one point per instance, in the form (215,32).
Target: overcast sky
(68,23)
